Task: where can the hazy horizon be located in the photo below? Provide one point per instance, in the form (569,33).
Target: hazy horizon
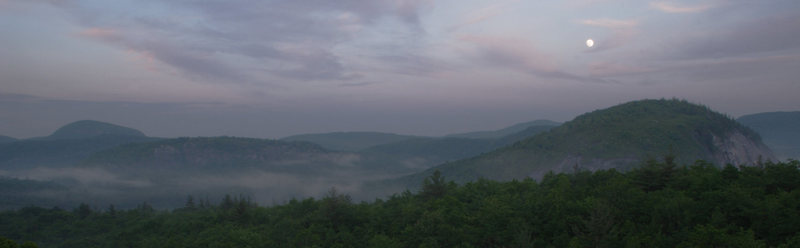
(270,69)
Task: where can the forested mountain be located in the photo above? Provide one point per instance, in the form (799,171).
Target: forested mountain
(399,155)
(217,153)
(359,141)
(163,171)
(422,153)
(617,137)
(779,130)
(89,129)
(67,145)
(6,139)
(657,205)
(349,141)
(496,134)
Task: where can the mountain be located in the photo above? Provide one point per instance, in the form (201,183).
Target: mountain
(6,139)
(67,145)
(88,129)
(617,137)
(779,130)
(516,128)
(218,154)
(349,141)
(426,152)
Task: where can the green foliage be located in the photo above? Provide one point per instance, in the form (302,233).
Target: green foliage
(7,243)
(658,205)
(617,137)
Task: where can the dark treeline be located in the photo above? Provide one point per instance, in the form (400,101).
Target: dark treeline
(657,205)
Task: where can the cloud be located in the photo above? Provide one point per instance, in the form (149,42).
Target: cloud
(242,40)
(622,32)
(671,7)
(357,84)
(769,34)
(586,3)
(611,69)
(99,33)
(519,54)
(609,23)
(483,14)
(86,176)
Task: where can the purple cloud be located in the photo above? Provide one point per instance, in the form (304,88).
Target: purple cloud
(205,39)
(769,34)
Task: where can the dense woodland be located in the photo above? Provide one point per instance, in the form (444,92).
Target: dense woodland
(659,204)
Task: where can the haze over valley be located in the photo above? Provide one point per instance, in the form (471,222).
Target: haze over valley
(102,163)
(399,123)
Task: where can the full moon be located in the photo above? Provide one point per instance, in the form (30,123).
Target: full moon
(589,43)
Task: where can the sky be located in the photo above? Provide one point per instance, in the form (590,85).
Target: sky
(273,68)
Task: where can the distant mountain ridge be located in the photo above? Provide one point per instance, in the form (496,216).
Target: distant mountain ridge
(430,151)
(89,128)
(519,127)
(779,130)
(349,141)
(618,137)
(69,144)
(217,153)
(6,139)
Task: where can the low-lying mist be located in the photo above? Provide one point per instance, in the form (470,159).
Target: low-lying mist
(102,187)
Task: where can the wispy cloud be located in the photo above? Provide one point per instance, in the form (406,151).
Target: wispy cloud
(622,31)
(776,33)
(244,40)
(483,14)
(100,33)
(519,54)
(356,84)
(671,7)
(609,23)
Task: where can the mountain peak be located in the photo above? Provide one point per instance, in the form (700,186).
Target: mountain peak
(90,128)
(620,137)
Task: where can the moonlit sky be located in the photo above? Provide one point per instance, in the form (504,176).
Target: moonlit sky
(426,67)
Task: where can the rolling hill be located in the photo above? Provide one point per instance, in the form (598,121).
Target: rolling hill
(88,129)
(349,141)
(67,145)
(422,153)
(219,154)
(496,134)
(779,130)
(617,137)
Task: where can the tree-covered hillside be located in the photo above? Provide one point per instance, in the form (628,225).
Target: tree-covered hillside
(89,128)
(657,205)
(68,145)
(206,153)
(349,141)
(500,133)
(58,152)
(618,137)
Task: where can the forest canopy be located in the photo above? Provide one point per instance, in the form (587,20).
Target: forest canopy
(659,204)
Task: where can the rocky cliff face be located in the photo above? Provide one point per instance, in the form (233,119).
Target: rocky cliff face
(737,149)
(621,137)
